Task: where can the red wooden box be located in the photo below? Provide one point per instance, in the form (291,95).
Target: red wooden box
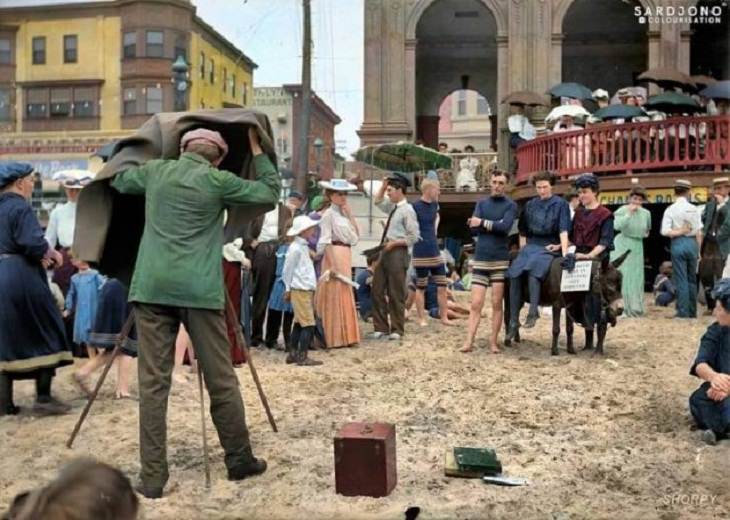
(365,459)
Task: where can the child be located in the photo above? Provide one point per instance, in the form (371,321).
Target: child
(278,307)
(111,316)
(664,290)
(84,489)
(364,298)
(300,281)
(82,300)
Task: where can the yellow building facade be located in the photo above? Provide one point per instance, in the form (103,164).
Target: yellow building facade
(74,77)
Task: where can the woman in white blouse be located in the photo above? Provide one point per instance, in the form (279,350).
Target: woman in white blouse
(335,300)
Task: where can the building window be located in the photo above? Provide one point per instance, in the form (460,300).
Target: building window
(225,80)
(245,96)
(70,48)
(482,105)
(36,103)
(155,44)
(39,50)
(233,86)
(181,48)
(130,44)
(5,110)
(129,104)
(5,56)
(84,102)
(461,103)
(202,65)
(60,102)
(153,100)
(212,72)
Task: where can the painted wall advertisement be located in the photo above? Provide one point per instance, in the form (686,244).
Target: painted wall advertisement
(656,196)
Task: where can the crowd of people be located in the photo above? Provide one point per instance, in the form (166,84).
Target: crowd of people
(292,270)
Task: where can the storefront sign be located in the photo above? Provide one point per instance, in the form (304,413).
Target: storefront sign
(656,196)
(47,167)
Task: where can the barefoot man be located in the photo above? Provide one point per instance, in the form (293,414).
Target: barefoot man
(427,259)
(491,223)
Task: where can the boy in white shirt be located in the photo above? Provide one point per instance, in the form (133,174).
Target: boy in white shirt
(300,281)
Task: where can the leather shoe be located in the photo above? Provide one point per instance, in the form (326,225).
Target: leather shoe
(255,467)
(148,492)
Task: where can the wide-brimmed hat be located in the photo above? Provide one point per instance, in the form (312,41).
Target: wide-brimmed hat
(337,185)
(11,171)
(720,181)
(206,136)
(74,179)
(301,223)
(639,191)
(599,93)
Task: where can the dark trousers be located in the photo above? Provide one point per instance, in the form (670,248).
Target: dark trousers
(275,321)
(157,328)
(515,297)
(263,268)
(390,292)
(684,275)
(709,414)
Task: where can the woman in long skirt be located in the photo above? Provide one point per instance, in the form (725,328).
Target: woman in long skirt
(32,338)
(633,223)
(335,299)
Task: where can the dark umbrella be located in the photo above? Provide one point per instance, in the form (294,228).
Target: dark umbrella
(524,97)
(571,90)
(106,151)
(703,81)
(667,77)
(619,112)
(720,90)
(673,103)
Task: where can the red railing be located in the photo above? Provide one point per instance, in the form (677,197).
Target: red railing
(675,143)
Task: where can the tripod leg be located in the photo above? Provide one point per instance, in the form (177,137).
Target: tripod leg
(205,435)
(233,320)
(117,348)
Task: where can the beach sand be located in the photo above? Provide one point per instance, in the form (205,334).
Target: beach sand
(596,437)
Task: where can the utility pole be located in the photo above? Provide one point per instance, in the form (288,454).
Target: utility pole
(303,166)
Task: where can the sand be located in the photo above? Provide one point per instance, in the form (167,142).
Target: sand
(596,437)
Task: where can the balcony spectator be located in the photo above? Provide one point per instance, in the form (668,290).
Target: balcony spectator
(600,96)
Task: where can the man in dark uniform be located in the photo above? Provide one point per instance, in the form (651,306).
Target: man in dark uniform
(716,237)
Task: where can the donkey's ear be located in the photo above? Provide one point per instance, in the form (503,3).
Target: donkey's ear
(620,260)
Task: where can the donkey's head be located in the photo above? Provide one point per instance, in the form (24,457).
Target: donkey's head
(611,280)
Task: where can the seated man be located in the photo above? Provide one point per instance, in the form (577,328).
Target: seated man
(664,290)
(709,404)
(364,297)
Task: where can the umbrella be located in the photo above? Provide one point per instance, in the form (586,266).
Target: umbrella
(619,112)
(567,110)
(403,157)
(106,151)
(571,90)
(667,77)
(524,97)
(703,81)
(720,90)
(673,103)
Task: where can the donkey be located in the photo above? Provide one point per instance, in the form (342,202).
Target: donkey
(612,304)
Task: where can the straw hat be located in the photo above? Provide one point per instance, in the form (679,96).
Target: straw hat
(337,185)
(74,179)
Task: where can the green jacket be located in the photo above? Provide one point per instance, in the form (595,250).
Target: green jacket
(722,225)
(179,262)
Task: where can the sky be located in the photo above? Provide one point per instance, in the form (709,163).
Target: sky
(270,33)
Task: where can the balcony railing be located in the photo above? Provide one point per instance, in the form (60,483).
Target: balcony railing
(673,144)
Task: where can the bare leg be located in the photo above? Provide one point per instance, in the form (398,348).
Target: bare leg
(124,365)
(478,293)
(182,343)
(420,301)
(409,303)
(91,351)
(497,310)
(443,306)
